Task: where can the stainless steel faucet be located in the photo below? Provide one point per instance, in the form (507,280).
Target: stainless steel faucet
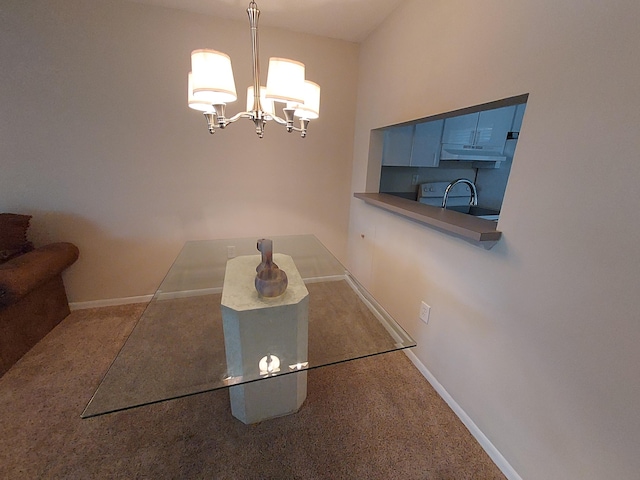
(473,201)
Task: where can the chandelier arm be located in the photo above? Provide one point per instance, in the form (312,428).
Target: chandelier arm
(214,121)
(238,116)
(304,124)
(251,115)
(277,119)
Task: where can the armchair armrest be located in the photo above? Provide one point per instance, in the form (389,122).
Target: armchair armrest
(22,274)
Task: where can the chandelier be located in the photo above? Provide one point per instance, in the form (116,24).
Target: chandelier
(211,86)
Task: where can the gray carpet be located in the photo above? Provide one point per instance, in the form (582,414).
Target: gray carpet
(364,419)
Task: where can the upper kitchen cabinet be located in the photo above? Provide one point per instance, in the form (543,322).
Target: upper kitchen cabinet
(487,128)
(478,137)
(460,130)
(397,144)
(493,126)
(413,145)
(518,117)
(426,144)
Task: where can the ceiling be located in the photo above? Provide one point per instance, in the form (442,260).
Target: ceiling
(350,20)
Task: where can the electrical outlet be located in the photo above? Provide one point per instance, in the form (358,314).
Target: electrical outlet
(231,251)
(425,310)
(415,179)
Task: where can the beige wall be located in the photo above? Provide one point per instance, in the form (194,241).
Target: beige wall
(97,142)
(536,339)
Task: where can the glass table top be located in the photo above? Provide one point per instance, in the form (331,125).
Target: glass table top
(177,347)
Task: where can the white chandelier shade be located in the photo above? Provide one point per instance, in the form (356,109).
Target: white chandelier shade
(211,86)
(200,105)
(285,80)
(212,76)
(310,108)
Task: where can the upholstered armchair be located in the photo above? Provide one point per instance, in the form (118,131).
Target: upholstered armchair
(33,299)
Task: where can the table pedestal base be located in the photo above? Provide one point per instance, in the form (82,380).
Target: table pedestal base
(267,337)
(265,399)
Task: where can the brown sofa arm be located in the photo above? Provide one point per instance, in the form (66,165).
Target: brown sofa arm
(22,274)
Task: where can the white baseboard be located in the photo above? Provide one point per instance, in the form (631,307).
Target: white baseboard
(110,302)
(484,442)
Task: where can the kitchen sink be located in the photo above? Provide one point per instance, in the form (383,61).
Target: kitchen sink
(480,212)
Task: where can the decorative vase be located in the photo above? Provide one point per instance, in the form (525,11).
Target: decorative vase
(270,280)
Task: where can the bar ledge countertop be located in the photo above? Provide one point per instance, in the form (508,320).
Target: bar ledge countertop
(476,230)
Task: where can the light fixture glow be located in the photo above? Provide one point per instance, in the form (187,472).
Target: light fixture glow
(269,365)
(211,86)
